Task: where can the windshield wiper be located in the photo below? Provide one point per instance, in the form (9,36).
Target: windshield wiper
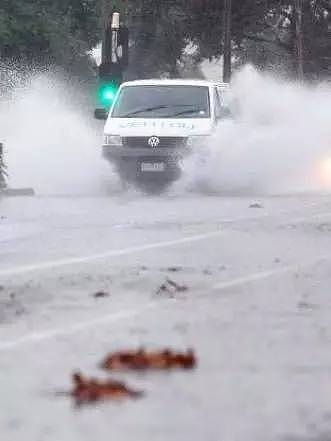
(186,112)
(151,109)
(144,109)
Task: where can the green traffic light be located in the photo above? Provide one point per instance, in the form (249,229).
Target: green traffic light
(107,94)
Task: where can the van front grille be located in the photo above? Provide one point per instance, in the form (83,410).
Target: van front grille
(164,142)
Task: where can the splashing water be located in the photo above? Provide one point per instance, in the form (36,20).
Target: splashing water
(280,141)
(52,142)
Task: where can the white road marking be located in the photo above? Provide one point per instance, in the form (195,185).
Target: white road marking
(270,273)
(38,336)
(108,254)
(126,251)
(54,333)
(39,266)
(302,219)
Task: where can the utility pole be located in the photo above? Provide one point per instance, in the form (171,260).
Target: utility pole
(227,49)
(298,11)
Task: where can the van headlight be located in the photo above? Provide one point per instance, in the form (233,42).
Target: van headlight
(112,140)
(198,140)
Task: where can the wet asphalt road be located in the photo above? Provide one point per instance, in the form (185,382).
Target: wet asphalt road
(257,312)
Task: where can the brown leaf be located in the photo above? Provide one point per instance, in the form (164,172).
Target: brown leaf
(91,390)
(142,360)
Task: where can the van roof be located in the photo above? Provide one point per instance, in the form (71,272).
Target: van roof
(175,82)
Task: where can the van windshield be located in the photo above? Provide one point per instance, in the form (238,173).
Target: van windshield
(158,101)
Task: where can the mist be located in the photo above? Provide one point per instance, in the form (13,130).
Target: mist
(52,143)
(280,141)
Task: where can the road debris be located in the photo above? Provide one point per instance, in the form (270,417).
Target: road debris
(176,287)
(142,360)
(100,294)
(12,192)
(171,288)
(256,205)
(174,269)
(92,390)
(305,305)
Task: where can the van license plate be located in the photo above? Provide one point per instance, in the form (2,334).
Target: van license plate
(152,166)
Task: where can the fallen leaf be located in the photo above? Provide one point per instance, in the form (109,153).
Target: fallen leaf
(142,360)
(92,390)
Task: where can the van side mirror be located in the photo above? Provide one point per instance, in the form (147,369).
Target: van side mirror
(101,114)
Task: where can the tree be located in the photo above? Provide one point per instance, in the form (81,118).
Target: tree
(158,37)
(263,33)
(43,31)
(227,40)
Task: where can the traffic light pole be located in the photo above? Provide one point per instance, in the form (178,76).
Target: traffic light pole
(115,28)
(115,58)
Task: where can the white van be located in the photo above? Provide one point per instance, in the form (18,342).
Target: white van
(153,124)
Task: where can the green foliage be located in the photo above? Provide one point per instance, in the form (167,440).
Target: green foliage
(263,32)
(158,33)
(58,31)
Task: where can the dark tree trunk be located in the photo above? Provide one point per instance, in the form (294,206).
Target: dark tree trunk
(298,10)
(227,51)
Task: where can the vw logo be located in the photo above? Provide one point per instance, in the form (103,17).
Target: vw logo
(154,141)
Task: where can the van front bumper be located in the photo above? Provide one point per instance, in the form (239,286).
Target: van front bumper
(121,152)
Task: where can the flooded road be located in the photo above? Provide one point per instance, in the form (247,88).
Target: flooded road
(256,312)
